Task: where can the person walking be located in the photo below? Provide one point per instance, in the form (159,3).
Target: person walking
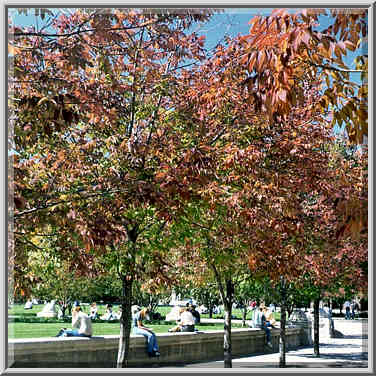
(139,328)
(347,306)
(353,309)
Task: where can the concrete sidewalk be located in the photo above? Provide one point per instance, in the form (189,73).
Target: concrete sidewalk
(348,352)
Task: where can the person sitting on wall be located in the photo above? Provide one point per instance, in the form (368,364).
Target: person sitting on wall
(186,323)
(259,321)
(270,321)
(139,328)
(265,326)
(195,314)
(81,325)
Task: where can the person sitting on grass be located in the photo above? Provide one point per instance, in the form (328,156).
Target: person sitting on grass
(93,311)
(109,315)
(28,305)
(81,325)
(139,328)
(117,315)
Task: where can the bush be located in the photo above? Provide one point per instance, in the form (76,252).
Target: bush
(67,319)
(39,319)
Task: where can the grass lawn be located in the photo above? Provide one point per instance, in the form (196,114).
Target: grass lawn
(18,310)
(39,330)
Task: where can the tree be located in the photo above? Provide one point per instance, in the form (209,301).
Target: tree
(89,100)
(266,168)
(337,255)
(214,255)
(114,155)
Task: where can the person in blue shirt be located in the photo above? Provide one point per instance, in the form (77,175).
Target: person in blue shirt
(139,328)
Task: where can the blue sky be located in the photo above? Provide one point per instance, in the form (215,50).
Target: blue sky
(231,22)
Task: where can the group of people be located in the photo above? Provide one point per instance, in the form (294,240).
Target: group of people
(263,319)
(82,326)
(108,315)
(188,317)
(30,302)
(350,309)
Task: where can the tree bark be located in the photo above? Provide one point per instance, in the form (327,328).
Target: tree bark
(227,343)
(227,293)
(316,331)
(282,336)
(125,321)
(244,315)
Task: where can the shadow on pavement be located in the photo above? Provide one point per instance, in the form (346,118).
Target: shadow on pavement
(352,356)
(276,365)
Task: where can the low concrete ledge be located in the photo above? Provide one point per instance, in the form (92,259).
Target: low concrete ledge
(175,348)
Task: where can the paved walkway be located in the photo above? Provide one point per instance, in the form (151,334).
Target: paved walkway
(348,352)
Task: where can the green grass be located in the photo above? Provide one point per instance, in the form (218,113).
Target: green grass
(40,330)
(18,310)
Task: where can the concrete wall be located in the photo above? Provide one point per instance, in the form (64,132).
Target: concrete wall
(175,348)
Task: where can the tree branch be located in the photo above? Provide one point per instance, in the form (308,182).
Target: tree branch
(220,134)
(46,206)
(25,233)
(77,32)
(133,101)
(328,67)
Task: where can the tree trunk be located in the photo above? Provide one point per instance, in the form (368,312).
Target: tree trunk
(244,315)
(63,309)
(282,336)
(210,311)
(226,293)
(316,305)
(125,321)
(290,309)
(227,343)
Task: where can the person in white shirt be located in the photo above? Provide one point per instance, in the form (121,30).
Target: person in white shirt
(81,325)
(93,311)
(186,322)
(257,318)
(347,309)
